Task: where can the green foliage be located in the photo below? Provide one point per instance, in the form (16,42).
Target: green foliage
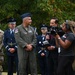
(42,10)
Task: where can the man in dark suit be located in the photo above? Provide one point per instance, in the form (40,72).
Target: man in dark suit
(53,50)
(11,46)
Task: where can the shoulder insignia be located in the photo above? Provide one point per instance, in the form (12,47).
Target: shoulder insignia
(16,30)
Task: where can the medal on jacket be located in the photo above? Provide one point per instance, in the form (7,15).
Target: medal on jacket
(16,30)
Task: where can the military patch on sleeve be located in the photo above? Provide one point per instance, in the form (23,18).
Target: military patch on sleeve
(16,30)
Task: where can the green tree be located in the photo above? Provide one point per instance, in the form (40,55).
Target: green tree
(42,10)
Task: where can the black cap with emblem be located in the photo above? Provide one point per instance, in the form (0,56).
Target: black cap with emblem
(12,20)
(43,26)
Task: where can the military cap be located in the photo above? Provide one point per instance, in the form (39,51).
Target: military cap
(12,20)
(25,15)
(43,26)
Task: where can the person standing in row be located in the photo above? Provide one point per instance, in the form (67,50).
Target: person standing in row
(1,51)
(42,51)
(11,46)
(26,41)
(53,50)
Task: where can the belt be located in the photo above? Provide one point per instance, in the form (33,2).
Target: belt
(11,44)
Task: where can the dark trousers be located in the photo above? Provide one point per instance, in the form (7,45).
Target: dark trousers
(11,61)
(53,62)
(43,63)
(65,65)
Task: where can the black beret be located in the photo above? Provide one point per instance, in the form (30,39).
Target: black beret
(43,26)
(25,15)
(11,20)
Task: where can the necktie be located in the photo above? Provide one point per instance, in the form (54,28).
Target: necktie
(12,32)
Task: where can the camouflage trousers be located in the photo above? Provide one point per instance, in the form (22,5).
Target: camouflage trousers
(1,68)
(0,73)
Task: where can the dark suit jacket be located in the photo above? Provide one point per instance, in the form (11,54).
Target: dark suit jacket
(9,42)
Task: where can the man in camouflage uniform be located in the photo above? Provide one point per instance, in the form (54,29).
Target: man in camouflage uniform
(26,40)
(1,51)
